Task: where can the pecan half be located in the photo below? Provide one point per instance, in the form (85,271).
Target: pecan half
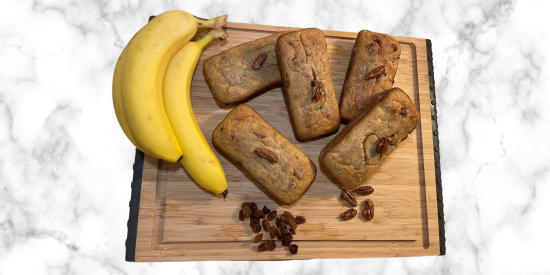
(383,145)
(364,190)
(257,63)
(266,154)
(368,212)
(348,215)
(317,90)
(375,73)
(348,196)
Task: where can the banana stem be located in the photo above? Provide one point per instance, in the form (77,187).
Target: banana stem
(213,34)
(217,22)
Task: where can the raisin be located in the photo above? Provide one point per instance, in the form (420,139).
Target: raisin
(266,210)
(289,215)
(271,245)
(265,225)
(272,215)
(259,214)
(289,219)
(286,239)
(300,219)
(279,233)
(245,204)
(241,215)
(292,224)
(263,247)
(256,226)
(293,249)
(253,207)
(278,222)
(259,238)
(292,231)
(272,232)
(246,212)
(282,225)
(285,219)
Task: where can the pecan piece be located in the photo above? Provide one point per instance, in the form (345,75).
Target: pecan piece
(257,63)
(266,154)
(317,90)
(368,212)
(375,73)
(348,196)
(383,145)
(364,190)
(348,215)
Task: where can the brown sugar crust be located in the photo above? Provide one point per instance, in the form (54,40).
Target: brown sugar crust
(304,64)
(371,51)
(242,132)
(353,155)
(231,76)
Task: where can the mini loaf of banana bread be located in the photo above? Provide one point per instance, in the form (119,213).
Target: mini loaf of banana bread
(242,71)
(363,145)
(371,70)
(307,83)
(277,164)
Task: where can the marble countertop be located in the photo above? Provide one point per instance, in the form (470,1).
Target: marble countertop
(65,165)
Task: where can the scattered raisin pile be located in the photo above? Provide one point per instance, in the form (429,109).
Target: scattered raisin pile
(261,219)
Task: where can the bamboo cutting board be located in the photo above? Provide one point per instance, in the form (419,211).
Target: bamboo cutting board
(178,220)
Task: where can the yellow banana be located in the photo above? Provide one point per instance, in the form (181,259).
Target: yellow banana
(117,102)
(198,158)
(142,74)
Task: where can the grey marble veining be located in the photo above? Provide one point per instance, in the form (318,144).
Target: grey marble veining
(65,165)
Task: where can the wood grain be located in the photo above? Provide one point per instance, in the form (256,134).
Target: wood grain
(174,211)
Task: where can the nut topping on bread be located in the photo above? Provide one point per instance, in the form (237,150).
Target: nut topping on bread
(266,154)
(383,145)
(317,90)
(259,61)
(375,73)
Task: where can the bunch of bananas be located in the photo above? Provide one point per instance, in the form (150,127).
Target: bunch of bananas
(151,94)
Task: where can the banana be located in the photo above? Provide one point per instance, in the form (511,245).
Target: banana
(198,159)
(117,102)
(145,64)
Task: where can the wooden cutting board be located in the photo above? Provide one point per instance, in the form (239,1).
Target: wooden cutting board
(179,220)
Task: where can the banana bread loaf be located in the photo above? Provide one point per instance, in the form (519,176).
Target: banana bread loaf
(363,145)
(277,164)
(307,83)
(371,70)
(239,73)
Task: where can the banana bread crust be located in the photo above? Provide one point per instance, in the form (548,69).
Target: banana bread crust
(305,70)
(231,77)
(371,50)
(358,150)
(242,132)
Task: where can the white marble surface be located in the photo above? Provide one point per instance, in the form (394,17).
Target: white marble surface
(65,165)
